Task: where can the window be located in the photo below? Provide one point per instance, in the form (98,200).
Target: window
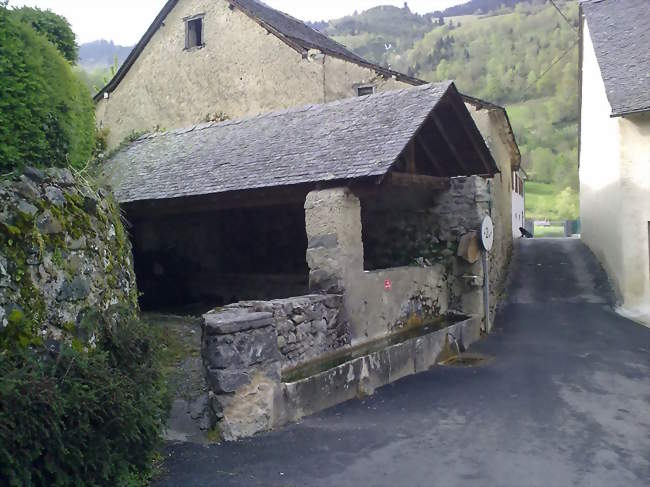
(194,32)
(365,90)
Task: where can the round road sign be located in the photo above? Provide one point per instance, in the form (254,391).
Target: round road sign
(487,233)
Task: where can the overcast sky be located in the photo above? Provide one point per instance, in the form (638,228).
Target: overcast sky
(124,21)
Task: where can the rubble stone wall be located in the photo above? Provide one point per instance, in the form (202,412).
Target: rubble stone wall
(380,301)
(245,347)
(63,254)
(307,327)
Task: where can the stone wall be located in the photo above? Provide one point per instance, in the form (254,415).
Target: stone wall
(397,232)
(380,301)
(63,253)
(246,345)
(307,327)
(493,125)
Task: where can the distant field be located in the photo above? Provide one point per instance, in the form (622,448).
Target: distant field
(552,231)
(540,202)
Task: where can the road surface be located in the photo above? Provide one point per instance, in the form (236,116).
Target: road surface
(564,402)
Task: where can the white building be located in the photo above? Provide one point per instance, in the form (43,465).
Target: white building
(615,145)
(518,202)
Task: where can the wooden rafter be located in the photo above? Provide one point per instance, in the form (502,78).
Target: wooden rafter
(410,158)
(439,167)
(448,141)
(472,137)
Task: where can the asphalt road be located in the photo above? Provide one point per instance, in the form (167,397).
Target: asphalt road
(565,402)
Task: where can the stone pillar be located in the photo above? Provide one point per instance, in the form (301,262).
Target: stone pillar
(335,249)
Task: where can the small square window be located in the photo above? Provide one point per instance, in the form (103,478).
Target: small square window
(194,32)
(365,90)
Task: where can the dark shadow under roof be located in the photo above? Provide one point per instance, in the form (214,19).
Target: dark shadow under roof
(290,30)
(620,32)
(351,139)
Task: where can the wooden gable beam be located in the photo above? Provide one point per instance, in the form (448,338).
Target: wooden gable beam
(448,141)
(472,137)
(410,158)
(437,165)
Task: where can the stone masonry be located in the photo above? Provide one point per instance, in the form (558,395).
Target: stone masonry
(245,347)
(64,254)
(307,326)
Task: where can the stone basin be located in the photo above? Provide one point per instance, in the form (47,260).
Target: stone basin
(386,361)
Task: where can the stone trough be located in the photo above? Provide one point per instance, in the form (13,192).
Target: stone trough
(259,381)
(361,376)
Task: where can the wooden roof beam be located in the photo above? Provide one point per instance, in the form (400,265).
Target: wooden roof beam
(450,144)
(433,159)
(472,137)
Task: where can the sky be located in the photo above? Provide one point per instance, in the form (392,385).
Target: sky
(125,21)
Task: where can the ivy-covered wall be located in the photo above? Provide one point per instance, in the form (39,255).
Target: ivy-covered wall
(63,253)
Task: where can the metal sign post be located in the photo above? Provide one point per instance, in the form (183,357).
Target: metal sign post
(487,240)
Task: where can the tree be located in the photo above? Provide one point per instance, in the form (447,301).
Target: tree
(55,27)
(566,204)
(46,113)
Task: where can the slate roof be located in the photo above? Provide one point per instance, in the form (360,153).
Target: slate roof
(620,32)
(343,140)
(290,30)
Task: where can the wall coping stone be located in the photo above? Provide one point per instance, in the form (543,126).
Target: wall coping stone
(227,322)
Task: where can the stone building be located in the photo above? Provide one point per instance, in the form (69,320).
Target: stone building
(204,59)
(358,207)
(320,197)
(615,145)
(356,204)
(201,59)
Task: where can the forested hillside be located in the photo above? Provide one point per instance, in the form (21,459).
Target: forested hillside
(525,58)
(98,61)
(99,54)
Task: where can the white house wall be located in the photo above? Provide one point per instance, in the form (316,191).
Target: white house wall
(615,188)
(517,213)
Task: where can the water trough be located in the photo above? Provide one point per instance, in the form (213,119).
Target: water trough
(385,361)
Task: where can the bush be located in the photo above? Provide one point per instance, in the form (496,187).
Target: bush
(82,418)
(46,112)
(54,27)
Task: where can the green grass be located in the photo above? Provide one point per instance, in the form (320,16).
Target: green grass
(552,231)
(541,202)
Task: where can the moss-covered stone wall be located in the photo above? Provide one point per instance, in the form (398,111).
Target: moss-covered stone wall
(63,254)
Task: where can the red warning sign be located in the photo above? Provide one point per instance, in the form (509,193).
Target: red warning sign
(388,285)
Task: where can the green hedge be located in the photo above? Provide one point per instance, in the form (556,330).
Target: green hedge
(73,417)
(46,112)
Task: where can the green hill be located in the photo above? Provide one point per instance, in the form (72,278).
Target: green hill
(379,32)
(524,57)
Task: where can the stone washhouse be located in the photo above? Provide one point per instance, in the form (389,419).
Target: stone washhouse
(322,241)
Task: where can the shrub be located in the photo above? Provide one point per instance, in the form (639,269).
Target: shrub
(55,27)
(46,112)
(75,417)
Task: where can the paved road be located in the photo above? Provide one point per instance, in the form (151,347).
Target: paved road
(566,401)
